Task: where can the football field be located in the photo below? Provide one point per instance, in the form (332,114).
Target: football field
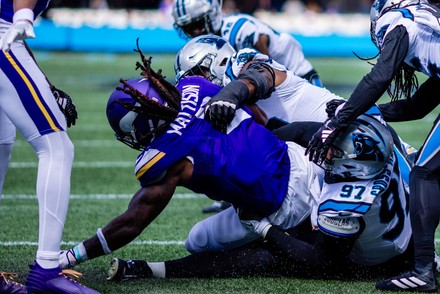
(103,182)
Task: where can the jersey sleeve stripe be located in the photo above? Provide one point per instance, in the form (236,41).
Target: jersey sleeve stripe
(153,160)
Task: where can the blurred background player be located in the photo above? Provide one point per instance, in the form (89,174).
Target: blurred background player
(193,18)
(28,104)
(407,34)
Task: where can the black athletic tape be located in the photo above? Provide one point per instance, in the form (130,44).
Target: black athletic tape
(253,74)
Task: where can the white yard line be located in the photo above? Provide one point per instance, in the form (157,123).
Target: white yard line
(73,243)
(100,196)
(79,164)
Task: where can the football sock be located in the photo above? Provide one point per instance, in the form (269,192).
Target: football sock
(425,211)
(80,252)
(158,269)
(48,259)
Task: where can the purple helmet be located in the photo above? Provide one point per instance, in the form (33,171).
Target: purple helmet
(132,128)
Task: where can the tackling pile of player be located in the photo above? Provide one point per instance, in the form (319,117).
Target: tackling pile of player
(251,126)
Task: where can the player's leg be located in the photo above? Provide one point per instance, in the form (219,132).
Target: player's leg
(7,139)
(250,260)
(425,212)
(30,105)
(219,232)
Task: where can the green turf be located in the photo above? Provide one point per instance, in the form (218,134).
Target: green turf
(89,79)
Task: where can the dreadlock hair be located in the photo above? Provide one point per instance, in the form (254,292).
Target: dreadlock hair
(167,91)
(405,82)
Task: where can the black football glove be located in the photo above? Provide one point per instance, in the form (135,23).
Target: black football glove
(332,105)
(321,142)
(220,110)
(66,105)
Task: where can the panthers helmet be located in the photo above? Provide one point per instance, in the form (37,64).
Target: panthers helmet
(362,151)
(206,55)
(193,18)
(379,7)
(132,128)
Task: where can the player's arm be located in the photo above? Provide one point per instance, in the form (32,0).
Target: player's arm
(324,251)
(299,132)
(146,204)
(262,44)
(20,4)
(366,93)
(424,100)
(22,24)
(255,83)
(65,102)
(374,84)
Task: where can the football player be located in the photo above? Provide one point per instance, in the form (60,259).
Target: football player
(294,99)
(407,34)
(28,104)
(193,18)
(363,225)
(181,148)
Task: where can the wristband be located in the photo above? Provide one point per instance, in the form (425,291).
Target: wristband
(24,14)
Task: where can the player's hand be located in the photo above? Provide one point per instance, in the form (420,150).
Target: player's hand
(21,29)
(321,141)
(220,110)
(220,113)
(332,106)
(66,105)
(254,222)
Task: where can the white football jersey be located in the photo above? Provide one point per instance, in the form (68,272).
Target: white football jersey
(376,209)
(243,31)
(422,25)
(295,99)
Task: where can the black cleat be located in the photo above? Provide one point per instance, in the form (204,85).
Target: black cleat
(418,280)
(216,206)
(121,270)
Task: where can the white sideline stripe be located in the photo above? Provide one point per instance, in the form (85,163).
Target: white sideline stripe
(78,164)
(73,243)
(100,196)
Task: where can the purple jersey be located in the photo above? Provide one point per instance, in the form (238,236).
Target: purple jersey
(248,166)
(7,9)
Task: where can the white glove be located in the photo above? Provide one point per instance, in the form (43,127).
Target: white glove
(260,227)
(22,28)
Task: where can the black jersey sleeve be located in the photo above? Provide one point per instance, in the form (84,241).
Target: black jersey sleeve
(374,84)
(424,100)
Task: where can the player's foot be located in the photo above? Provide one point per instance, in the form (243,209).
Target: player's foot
(417,280)
(121,270)
(8,286)
(216,206)
(68,259)
(42,280)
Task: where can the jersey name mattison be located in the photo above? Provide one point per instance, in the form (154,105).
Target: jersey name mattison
(248,166)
